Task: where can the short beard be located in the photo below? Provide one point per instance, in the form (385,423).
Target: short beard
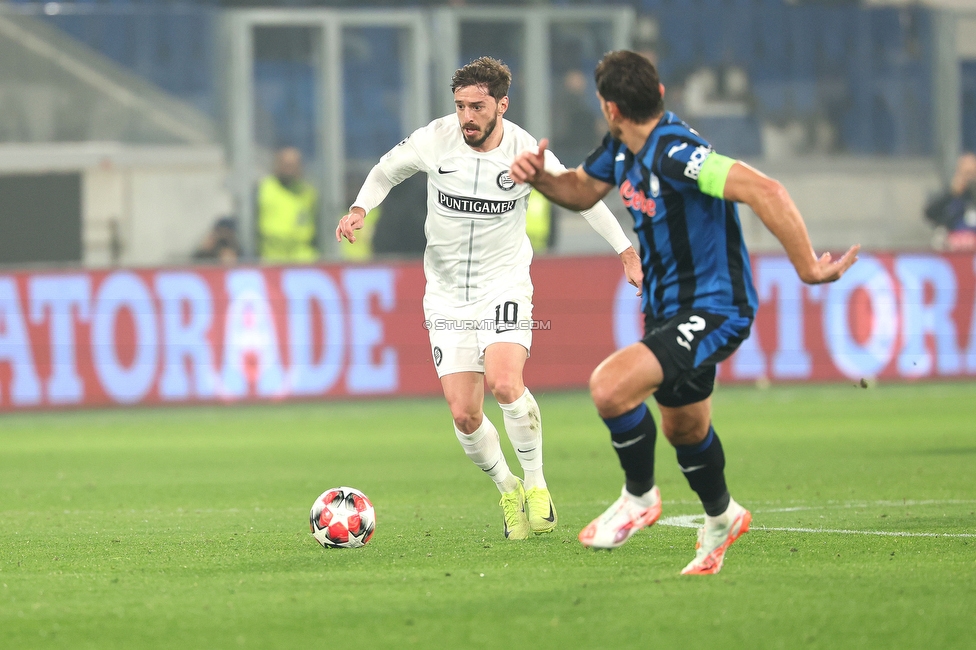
(489,129)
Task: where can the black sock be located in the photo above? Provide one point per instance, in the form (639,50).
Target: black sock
(704,467)
(633,435)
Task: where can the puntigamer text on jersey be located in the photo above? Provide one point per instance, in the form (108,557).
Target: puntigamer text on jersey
(475,206)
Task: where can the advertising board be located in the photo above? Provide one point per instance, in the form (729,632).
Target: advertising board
(210,334)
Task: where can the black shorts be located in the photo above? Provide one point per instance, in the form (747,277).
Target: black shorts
(688,345)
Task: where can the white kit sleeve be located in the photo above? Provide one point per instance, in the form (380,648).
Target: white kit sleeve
(397,165)
(375,188)
(599,216)
(602,220)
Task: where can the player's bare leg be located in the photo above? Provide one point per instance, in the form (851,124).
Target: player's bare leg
(624,380)
(686,425)
(523,423)
(689,429)
(465,395)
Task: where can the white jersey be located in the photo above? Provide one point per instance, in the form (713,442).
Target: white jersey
(475,227)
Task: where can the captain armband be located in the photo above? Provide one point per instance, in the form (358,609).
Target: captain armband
(714,171)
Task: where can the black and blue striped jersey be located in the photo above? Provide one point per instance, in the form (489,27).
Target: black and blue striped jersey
(692,249)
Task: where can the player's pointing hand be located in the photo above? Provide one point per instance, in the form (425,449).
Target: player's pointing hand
(829,270)
(349,224)
(528,164)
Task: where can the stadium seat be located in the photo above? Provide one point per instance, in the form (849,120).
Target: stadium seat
(844,62)
(737,137)
(969,105)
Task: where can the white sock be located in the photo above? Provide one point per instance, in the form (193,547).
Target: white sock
(484,450)
(523,423)
(645,500)
(723,519)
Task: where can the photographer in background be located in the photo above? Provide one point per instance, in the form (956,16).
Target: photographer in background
(955,209)
(221,243)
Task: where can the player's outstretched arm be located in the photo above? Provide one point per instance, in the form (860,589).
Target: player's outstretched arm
(350,223)
(573,188)
(400,163)
(774,206)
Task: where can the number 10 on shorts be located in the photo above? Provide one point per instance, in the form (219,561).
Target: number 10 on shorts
(506,316)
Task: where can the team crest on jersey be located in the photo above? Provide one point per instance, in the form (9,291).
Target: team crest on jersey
(636,199)
(438,356)
(505,181)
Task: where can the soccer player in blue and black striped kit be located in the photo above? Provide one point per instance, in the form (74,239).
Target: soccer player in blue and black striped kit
(698,297)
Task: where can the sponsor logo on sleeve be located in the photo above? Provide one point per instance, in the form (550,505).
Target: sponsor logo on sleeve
(698,156)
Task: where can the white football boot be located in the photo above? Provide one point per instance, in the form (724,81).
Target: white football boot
(622,519)
(715,537)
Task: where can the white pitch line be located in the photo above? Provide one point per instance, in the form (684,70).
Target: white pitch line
(875,504)
(843,531)
(696,521)
(683,521)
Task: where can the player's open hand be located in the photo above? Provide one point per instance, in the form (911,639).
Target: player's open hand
(632,268)
(528,164)
(349,224)
(829,270)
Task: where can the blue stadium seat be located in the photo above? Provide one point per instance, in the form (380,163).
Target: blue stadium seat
(739,32)
(968,101)
(374,91)
(772,42)
(772,97)
(834,36)
(868,70)
(172,47)
(284,91)
(679,54)
(738,137)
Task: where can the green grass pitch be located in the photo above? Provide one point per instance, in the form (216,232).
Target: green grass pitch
(188,528)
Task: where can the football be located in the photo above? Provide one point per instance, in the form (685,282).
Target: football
(342,517)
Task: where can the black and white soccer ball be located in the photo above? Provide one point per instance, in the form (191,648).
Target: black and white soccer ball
(342,517)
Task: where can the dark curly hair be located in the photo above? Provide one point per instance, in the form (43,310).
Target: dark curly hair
(487,72)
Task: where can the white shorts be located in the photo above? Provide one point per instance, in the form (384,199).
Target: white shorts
(460,335)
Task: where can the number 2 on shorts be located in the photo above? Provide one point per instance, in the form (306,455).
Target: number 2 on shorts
(694,324)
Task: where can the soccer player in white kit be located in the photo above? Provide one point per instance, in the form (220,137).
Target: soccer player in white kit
(478,299)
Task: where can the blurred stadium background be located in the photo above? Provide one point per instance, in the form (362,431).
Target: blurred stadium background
(128,128)
(158,117)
